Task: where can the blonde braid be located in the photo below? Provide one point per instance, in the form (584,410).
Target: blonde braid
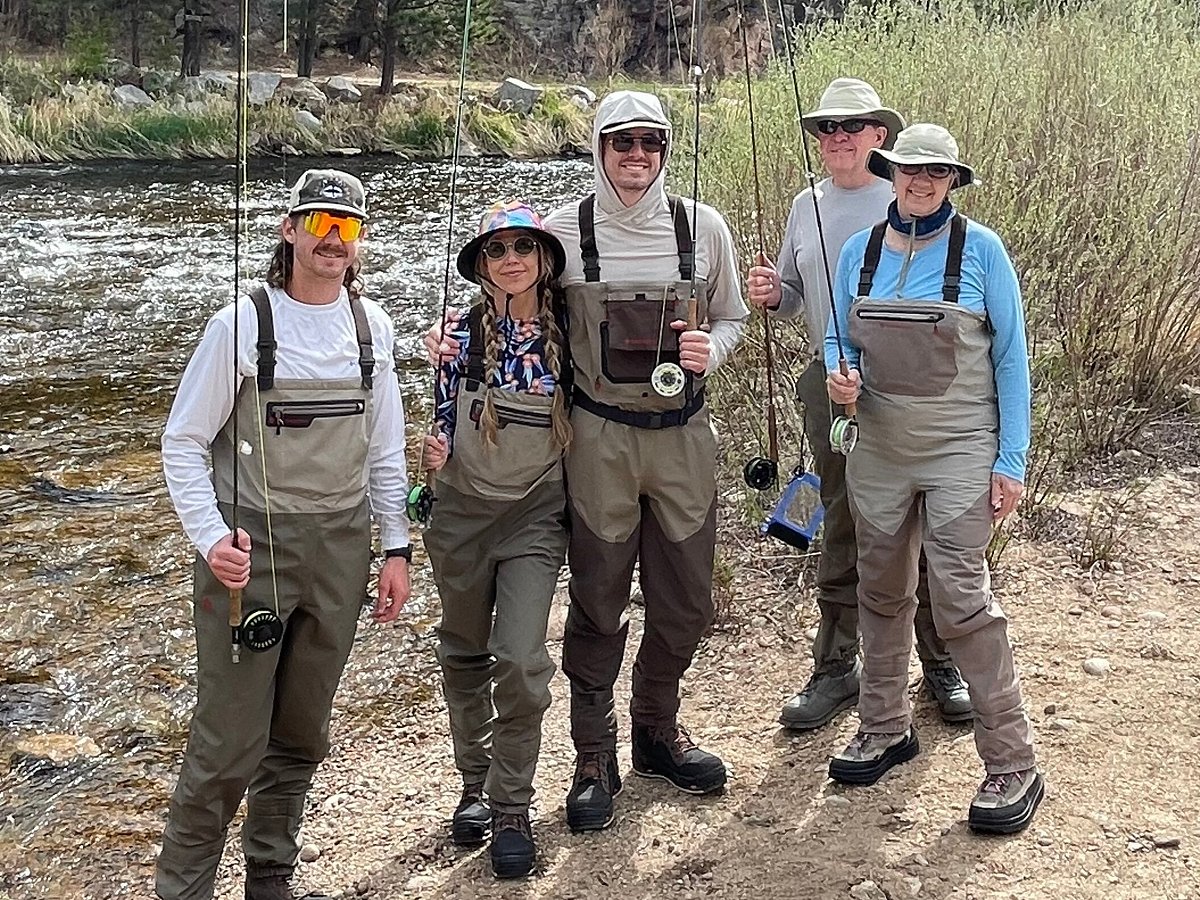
(552,339)
(489,421)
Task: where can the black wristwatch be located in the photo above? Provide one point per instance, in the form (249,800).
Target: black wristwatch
(404,553)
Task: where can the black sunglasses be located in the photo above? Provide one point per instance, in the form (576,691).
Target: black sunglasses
(933,170)
(497,249)
(623,143)
(850,126)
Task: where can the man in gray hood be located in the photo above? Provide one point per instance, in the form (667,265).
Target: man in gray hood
(641,469)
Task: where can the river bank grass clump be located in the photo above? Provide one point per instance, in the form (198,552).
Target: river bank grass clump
(48,116)
(1082,123)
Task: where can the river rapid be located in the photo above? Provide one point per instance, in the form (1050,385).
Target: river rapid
(110,272)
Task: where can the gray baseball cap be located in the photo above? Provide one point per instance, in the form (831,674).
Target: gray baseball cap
(330,190)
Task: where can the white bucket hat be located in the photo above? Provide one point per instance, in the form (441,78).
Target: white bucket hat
(853,98)
(921,144)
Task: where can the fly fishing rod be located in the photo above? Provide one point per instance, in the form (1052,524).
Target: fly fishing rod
(669,378)
(421,497)
(843,432)
(760,472)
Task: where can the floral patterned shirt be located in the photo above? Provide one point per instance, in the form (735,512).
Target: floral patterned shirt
(522,367)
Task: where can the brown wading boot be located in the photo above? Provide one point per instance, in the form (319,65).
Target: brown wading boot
(668,752)
(276,884)
(1006,803)
(472,818)
(513,852)
(596,784)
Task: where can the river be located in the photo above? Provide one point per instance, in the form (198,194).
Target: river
(110,272)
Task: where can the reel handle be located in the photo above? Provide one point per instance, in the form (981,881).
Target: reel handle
(852,407)
(235,623)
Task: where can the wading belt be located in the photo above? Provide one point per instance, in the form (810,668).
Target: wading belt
(591,256)
(475,371)
(266,340)
(670,418)
(954,254)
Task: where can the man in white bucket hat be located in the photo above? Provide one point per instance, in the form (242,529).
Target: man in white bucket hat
(848,124)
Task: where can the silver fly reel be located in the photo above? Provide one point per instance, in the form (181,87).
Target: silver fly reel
(667,379)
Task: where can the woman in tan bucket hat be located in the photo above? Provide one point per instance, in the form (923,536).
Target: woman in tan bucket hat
(930,315)
(848,124)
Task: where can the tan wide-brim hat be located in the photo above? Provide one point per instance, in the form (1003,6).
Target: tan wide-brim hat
(921,144)
(853,98)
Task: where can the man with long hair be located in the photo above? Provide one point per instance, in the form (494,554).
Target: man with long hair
(307,425)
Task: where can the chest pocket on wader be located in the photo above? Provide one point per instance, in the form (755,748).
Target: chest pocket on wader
(907,352)
(636,335)
(510,415)
(303,413)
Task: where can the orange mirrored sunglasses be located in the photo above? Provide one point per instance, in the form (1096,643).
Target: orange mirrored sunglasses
(319,224)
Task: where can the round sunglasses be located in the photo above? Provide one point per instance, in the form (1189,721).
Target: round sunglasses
(522,246)
(936,171)
(850,126)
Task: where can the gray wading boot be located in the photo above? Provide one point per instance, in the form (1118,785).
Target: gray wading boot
(945,684)
(596,784)
(868,756)
(1006,803)
(825,695)
(668,752)
(513,852)
(472,818)
(277,885)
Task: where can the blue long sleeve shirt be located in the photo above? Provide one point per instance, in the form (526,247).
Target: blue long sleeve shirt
(989,285)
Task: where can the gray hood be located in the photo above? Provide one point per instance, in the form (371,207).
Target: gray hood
(632,109)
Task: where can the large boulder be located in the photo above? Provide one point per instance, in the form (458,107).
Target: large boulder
(130,96)
(307,120)
(119,71)
(303,93)
(580,96)
(219,84)
(341,89)
(191,87)
(157,83)
(517,96)
(261,87)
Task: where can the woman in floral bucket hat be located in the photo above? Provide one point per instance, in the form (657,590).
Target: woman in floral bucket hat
(931,320)
(498,538)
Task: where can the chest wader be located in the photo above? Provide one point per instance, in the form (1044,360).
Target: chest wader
(641,476)
(497,541)
(263,724)
(921,476)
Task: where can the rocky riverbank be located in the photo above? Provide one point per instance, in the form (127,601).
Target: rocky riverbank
(150,114)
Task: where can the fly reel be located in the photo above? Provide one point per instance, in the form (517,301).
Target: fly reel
(761,473)
(261,629)
(843,435)
(667,379)
(419,504)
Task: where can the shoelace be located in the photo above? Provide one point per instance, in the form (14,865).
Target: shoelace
(861,739)
(472,793)
(513,821)
(998,784)
(948,679)
(593,767)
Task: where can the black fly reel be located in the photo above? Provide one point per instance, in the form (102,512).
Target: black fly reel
(261,629)
(761,473)
(419,504)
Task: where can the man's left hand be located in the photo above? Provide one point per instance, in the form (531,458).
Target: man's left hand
(695,348)
(394,590)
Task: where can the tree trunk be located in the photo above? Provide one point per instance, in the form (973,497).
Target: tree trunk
(388,39)
(190,58)
(306,51)
(135,41)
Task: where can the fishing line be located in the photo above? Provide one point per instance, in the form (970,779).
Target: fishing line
(419,505)
(760,473)
(843,432)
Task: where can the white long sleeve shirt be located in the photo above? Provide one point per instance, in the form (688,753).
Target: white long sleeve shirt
(314,342)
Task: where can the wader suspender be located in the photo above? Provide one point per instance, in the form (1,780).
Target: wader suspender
(475,374)
(267,345)
(950,278)
(591,273)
